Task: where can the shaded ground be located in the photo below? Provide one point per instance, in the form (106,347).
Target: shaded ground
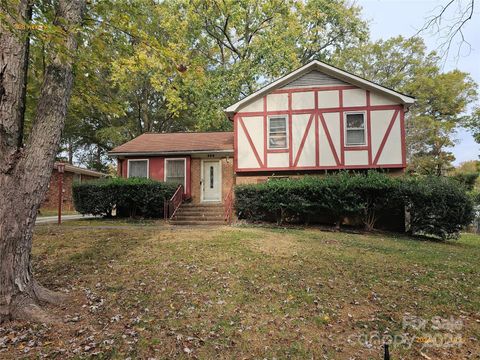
(154,291)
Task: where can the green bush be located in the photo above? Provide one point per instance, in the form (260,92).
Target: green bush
(437,206)
(313,199)
(131,197)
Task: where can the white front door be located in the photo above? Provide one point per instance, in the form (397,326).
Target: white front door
(212,180)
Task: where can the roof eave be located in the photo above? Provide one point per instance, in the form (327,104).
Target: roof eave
(78,170)
(167,153)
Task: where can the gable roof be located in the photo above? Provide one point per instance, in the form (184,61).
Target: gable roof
(330,71)
(175,143)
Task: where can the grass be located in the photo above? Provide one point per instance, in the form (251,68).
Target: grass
(244,292)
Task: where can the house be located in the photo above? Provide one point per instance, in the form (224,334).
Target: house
(70,175)
(201,162)
(316,119)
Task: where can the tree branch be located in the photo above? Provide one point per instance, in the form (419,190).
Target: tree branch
(450,32)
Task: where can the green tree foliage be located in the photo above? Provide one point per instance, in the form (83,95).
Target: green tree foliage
(173,66)
(148,66)
(442,102)
(473,124)
(468,174)
(248,43)
(442,99)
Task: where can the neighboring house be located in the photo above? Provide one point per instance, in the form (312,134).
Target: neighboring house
(315,119)
(71,174)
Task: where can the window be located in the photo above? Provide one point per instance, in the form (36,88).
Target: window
(211,177)
(138,168)
(355,129)
(175,171)
(277,133)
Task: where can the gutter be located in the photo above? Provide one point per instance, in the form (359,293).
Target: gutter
(150,153)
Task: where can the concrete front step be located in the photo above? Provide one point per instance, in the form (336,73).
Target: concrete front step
(197,218)
(193,222)
(199,214)
(201,211)
(216,204)
(206,210)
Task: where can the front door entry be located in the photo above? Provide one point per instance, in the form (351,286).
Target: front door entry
(211,182)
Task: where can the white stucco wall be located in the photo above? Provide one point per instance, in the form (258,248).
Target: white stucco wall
(327,100)
(354,97)
(276,160)
(255,106)
(299,125)
(332,120)
(307,156)
(277,102)
(326,155)
(246,156)
(303,100)
(379,125)
(356,157)
(377,99)
(392,151)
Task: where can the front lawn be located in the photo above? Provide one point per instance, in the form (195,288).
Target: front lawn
(154,291)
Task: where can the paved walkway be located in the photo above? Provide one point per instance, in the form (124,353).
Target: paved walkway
(54,219)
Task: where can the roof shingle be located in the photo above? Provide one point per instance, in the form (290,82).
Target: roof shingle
(177,142)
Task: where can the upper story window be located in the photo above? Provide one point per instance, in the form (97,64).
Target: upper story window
(277,132)
(175,171)
(355,129)
(138,168)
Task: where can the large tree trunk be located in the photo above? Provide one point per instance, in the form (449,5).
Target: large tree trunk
(25,172)
(13,60)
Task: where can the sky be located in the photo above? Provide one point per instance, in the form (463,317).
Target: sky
(389,18)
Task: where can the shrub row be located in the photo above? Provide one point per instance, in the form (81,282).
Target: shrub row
(436,206)
(130,197)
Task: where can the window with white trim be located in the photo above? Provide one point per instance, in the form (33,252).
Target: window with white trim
(355,129)
(138,168)
(277,132)
(175,171)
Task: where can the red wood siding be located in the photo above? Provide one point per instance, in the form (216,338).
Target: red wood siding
(156,169)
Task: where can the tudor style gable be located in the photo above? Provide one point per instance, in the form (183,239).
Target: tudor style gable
(320,117)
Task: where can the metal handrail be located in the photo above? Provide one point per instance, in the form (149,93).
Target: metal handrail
(171,206)
(228,204)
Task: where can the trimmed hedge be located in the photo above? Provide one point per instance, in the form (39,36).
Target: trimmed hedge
(437,206)
(131,197)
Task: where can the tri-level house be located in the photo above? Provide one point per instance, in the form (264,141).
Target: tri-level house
(316,119)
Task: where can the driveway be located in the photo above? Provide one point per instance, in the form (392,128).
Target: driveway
(54,219)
